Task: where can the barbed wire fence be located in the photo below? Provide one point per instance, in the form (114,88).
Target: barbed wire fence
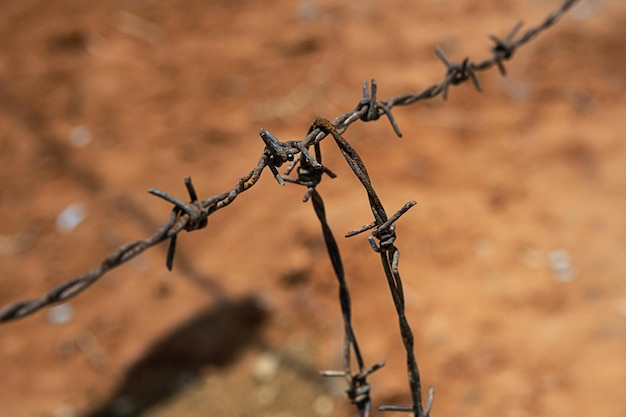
(309,169)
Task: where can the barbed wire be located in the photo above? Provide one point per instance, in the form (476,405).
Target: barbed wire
(193,215)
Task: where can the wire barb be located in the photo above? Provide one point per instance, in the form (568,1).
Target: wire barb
(457,73)
(386,232)
(369,109)
(198,217)
(278,153)
(310,173)
(409,408)
(359,389)
(504,49)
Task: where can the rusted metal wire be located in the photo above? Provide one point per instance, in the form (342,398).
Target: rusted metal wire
(193,215)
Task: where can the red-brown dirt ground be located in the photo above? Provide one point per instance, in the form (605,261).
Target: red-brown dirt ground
(513,260)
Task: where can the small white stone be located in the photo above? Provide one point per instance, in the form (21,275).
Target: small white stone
(60,314)
(80,136)
(265,368)
(561,265)
(308,11)
(71,217)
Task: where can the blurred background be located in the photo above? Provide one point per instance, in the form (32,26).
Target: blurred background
(513,260)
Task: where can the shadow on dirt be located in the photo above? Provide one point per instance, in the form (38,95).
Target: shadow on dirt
(214,337)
